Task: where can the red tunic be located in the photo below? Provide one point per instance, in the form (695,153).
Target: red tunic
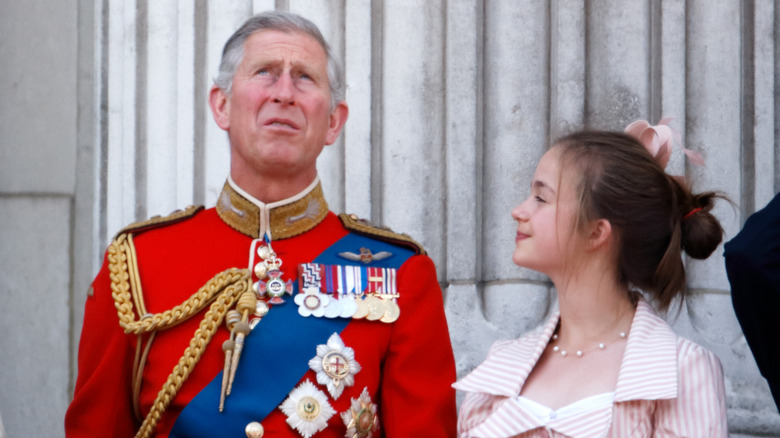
(407,366)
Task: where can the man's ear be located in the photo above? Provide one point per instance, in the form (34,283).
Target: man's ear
(220,107)
(337,119)
(600,234)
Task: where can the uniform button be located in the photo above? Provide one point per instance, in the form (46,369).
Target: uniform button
(254,430)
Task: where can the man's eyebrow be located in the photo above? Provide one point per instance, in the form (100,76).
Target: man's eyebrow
(303,66)
(262,62)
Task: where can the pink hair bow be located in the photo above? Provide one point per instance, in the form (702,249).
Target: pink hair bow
(659,141)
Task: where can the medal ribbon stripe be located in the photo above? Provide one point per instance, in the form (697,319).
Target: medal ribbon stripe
(357,280)
(348,279)
(349,274)
(328,279)
(335,282)
(310,274)
(376,279)
(391,288)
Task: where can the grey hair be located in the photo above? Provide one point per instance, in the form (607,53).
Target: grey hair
(281,21)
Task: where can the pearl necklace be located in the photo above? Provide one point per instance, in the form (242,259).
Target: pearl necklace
(580,353)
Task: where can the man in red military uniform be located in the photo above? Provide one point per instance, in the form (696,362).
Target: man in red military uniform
(267,315)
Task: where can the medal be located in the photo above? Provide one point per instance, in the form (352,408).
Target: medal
(392,311)
(361,419)
(307,409)
(268,269)
(376,308)
(333,309)
(312,302)
(361,310)
(275,287)
(348,306)
(335,365)
(261,309)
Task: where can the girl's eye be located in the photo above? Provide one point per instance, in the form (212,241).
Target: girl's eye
(539,199)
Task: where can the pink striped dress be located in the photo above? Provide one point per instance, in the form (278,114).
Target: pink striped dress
(667,387)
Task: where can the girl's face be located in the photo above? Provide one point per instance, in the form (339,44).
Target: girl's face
(545,221)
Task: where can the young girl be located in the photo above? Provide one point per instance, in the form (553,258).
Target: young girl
(602,219)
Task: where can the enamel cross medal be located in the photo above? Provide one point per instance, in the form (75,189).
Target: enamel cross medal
(268,269)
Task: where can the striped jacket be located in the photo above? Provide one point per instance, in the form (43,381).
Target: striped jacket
(667,387)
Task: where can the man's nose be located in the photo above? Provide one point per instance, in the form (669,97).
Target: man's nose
(284,90)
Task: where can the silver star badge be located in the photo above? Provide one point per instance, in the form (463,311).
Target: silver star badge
(307,409)
(335,365)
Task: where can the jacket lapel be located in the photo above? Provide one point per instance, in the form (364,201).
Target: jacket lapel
(510,418)
(509,363)
(649,368)
(503,374)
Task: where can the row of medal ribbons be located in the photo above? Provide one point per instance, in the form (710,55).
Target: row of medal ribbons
(338,291)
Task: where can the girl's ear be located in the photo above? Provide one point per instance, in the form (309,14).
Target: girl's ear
(600,234)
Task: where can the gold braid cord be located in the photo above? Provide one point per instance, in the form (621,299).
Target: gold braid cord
(192,355)
(120,274)
(223,289)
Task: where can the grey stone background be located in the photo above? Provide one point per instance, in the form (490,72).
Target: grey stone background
(103,121)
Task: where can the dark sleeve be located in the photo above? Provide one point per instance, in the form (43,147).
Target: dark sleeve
(102,402)
(753,268)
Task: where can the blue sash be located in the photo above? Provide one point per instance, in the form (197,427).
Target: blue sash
(275,357)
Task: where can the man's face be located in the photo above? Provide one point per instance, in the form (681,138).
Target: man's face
(278,116)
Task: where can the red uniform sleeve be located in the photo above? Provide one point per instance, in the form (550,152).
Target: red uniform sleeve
(102,402)
(417,396)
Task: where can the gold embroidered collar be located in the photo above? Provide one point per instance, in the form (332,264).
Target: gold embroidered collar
(282,219)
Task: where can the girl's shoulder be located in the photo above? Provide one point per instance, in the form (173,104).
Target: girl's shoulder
(690,353)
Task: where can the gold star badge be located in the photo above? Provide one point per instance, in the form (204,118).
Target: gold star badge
(361,419)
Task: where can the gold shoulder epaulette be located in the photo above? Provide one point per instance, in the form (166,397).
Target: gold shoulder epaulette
(366,228)
(159,221)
